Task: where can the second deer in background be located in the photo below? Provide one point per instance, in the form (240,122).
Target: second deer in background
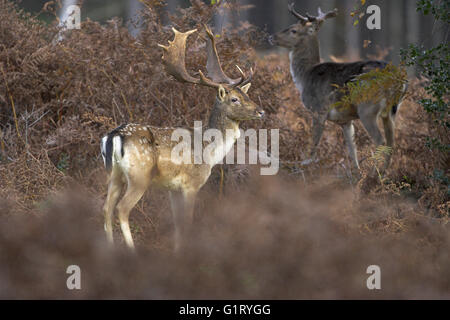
(318,83)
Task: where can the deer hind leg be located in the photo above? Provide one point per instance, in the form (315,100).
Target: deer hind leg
(368,114)
(135,191)
(176,202)
(349,136)
(389,130)
(114,189)
(318,126)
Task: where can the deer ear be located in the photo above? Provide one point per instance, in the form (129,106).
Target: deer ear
(221,93)
(246,87)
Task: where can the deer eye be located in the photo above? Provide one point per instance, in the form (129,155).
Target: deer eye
(293,31)
(234,100)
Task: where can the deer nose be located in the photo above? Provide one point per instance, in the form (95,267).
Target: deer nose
(271,40)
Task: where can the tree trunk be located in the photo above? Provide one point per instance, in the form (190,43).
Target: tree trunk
(134,6)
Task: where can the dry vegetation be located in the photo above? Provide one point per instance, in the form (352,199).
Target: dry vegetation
(306,233)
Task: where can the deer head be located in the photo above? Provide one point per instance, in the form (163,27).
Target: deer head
(232,98)
(301,32)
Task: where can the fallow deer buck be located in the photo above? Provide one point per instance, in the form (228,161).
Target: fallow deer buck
(140,155)
(318,85)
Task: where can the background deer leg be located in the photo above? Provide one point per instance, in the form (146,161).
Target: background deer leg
(114,189)
(369,115)
(132,196)
(349,136)
(317,131)
(189,205)
(182,204)
(389,127)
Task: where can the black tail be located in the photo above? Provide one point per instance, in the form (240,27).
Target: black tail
(394,109)
(108,152)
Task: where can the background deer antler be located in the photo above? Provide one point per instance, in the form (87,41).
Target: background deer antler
(320,18)
(296,14)
(174,59)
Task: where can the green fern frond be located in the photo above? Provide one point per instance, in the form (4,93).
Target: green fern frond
(381,152)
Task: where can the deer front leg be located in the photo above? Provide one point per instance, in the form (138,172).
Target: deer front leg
(389,129)
(177,204)
(349,136)
(369,116)
(114,189)
(182,203)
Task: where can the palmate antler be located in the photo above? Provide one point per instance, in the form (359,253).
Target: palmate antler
(319,19)
(213,65)
(174,59)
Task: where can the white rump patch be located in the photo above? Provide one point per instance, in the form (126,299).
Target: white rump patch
(117,148)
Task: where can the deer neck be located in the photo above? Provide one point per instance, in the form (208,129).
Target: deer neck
(302,58)
(229,129)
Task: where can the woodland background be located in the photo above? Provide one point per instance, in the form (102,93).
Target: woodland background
(309,232)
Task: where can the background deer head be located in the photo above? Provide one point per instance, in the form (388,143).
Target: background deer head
(303,31)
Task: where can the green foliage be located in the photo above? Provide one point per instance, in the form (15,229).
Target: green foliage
(381,152)
(358,11)
(64,162)
(373,86)
(439,9)
(378,159)
(433,64)
(441,177)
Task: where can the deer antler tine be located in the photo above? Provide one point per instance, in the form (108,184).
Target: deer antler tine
(205,81)
(311,18)
(175,55)
(163,46)
(249,78)
(213,65)
(208,31)
(187,33)
(332,13)
(243,77)
(240,71)
(296,14)
(319,11)
(323,16)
